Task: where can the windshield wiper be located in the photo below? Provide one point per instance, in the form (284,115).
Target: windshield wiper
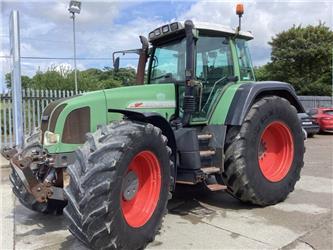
(168,75)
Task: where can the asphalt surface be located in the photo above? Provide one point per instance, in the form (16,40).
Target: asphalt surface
(205,220)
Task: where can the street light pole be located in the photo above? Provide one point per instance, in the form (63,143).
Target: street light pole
(74,41)
(74,8)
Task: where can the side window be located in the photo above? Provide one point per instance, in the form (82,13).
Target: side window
(214,59)
(244,60)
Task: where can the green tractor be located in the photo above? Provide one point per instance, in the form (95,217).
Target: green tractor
(115,156)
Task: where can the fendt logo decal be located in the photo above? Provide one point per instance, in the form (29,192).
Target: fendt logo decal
(151,104)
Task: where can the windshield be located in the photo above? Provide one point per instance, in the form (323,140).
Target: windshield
(213,60)
(168,62)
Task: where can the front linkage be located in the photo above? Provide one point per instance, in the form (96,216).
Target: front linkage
(8,153)
(39,176)
(37,181)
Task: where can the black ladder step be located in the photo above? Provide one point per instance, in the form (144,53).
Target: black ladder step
(216,187)
(210,170)
(207,153)
(203,137)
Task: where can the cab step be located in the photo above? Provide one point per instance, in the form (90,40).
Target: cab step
(216,187)
(210,170)
(207,153)
(204,137)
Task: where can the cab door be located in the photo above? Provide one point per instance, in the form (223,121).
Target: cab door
(214,62)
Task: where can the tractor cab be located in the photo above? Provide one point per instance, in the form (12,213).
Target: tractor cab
(201,59)
(216,56)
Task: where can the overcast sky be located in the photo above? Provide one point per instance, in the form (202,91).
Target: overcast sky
(102,27)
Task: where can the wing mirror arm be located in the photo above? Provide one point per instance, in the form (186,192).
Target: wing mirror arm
(116,60)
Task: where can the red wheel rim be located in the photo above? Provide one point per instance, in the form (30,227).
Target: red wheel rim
(276,151)
(138,209)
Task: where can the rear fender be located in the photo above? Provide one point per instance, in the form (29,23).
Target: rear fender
(249,93)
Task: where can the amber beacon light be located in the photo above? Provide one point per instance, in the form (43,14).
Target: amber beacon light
(240,9)
(239,12)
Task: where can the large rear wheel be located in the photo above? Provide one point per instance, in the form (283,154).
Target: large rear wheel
(264,157)
(119,186)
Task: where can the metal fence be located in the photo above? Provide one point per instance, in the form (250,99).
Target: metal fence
(33,104)
(316,101)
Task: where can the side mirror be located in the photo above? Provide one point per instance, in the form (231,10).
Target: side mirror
(116,64)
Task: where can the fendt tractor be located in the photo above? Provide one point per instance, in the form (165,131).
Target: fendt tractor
(111,159)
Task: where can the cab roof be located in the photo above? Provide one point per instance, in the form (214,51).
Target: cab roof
(168,30)
(221,28)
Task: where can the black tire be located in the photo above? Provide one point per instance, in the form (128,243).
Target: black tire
(32,143)
(96,178)
(242,174)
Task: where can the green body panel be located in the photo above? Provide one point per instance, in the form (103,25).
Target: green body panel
(158,98)
(219,112)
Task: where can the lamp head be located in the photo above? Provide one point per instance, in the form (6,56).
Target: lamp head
(74,7)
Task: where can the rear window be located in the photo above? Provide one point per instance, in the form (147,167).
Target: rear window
(328,112)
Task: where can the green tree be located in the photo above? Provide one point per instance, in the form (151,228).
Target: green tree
(262,73)
(302,56)
(88,80)
(25,80)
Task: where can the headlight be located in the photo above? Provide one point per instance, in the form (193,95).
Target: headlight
(151,35)
(157,32)
(50,138)
(165,28)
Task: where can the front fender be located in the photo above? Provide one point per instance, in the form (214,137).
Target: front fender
(159,121)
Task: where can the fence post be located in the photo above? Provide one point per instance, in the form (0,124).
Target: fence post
(33,109)
(38,107)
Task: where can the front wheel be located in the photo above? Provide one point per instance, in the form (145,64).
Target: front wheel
(264,157)
(119,186)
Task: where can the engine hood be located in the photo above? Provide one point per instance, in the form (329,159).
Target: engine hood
(71,118)
(159,98)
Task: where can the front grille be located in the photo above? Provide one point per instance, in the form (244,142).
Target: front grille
(46,116)
(77,124)
(47,113)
